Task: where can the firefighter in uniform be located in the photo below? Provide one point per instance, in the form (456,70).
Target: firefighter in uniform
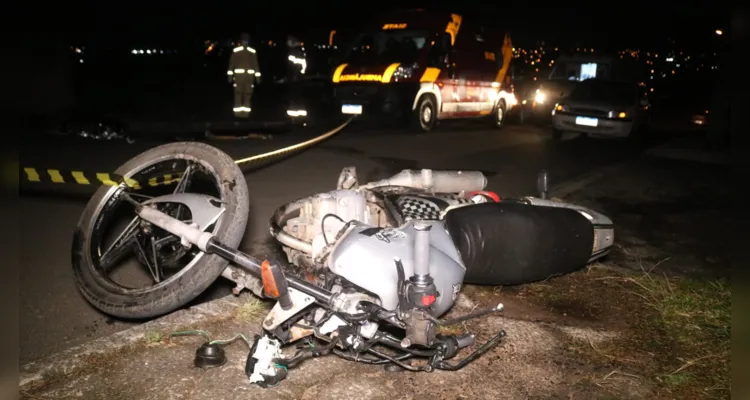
(243,72)
(297,58)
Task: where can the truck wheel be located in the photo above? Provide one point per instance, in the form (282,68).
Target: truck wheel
(425,115)
(499,115)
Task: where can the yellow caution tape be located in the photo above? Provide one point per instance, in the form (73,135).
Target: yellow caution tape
(297,146)
(87,178)
(37,175)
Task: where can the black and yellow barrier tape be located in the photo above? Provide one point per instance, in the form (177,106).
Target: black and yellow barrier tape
(92,178)
(38,175)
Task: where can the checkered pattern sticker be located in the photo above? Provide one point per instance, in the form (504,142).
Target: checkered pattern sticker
(417,208)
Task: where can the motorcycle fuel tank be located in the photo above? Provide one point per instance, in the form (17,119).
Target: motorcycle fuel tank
(365,257)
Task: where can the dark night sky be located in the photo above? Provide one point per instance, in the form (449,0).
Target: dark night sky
(631,23)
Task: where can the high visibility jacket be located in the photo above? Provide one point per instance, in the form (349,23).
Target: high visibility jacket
(243,61)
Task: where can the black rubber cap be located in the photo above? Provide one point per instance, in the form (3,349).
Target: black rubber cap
(210,356)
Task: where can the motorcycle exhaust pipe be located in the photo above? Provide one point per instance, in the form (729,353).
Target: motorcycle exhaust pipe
(435,181)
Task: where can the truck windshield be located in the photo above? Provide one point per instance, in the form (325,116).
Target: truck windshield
(383,47)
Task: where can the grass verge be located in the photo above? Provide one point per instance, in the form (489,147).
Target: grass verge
(676,330)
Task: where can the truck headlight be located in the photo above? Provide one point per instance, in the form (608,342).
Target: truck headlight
(540,97)
(403,72)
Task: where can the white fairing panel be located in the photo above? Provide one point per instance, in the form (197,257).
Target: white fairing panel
(365,257)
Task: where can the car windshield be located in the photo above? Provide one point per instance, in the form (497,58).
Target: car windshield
(605,92)
(385,47)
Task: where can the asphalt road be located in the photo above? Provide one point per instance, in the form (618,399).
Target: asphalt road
(54,316)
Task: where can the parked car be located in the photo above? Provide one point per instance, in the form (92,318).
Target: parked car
(601,108)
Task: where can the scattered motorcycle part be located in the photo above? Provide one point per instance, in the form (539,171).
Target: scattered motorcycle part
(196,332)
(261,367)
(209,355)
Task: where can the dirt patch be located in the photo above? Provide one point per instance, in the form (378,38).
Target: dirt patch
(603,332)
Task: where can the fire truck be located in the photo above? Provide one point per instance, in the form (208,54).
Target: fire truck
(422,67)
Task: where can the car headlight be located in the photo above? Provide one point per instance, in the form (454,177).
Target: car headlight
(561,108)
(617,114)
(540,97)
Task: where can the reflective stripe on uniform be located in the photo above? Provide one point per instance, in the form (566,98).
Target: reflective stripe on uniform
(230,72)
(242,71)
(250,49)
(240,109)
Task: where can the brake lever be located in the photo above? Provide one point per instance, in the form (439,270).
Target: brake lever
(487,346)
(445,322)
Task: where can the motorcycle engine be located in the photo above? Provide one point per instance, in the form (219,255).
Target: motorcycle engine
(323,216)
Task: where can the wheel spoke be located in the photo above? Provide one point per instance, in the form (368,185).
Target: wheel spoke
(183,186)
(120,246)
(142,252)
(184,182)
(157,267)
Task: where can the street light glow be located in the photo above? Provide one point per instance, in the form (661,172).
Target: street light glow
(719,32)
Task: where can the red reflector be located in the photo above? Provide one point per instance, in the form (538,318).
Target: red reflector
(491,195)
(428,299)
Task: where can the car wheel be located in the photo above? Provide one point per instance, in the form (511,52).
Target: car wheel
(425,115)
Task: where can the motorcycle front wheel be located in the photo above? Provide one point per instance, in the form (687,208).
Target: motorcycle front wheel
(130,269)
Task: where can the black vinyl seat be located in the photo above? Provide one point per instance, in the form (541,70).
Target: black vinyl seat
(513,243)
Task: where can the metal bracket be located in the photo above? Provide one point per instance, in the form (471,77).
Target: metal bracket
(202,207)
(278,315)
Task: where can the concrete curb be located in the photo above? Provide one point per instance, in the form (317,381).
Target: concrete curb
(69,361)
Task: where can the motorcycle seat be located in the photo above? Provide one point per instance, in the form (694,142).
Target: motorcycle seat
(514,243)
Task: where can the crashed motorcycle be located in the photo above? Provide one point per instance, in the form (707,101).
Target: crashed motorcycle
(368,272)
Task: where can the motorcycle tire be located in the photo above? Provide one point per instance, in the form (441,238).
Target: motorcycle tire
(170,294)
